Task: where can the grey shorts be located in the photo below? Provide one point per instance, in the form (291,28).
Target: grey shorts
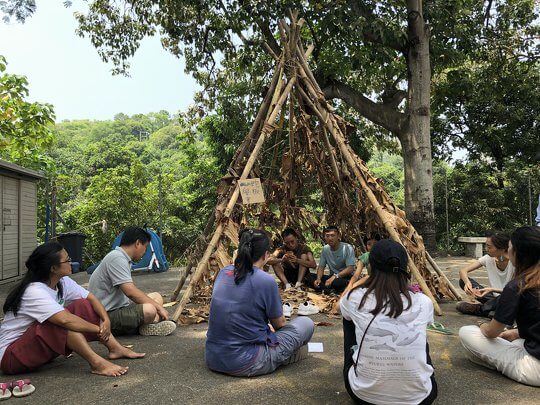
(292,336)
(126,320)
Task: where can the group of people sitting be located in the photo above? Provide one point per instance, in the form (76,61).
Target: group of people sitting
(384,322)
(48,314)
(293,260)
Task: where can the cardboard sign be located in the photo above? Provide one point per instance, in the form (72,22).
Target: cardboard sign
(251,191)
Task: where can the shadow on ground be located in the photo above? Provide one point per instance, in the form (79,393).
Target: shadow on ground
(174,370)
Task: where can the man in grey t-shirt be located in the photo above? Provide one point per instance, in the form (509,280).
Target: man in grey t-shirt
(340,259)
(129,309)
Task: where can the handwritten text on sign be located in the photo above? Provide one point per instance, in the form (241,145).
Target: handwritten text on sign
(251,191)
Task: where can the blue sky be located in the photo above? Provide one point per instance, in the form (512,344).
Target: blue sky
(66,71)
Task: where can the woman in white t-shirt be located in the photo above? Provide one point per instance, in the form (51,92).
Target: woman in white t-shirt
(499,270)
(48,314)
(385,341)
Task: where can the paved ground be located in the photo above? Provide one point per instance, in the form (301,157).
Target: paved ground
(174,371)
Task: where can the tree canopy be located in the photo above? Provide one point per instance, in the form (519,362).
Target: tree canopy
(25,127)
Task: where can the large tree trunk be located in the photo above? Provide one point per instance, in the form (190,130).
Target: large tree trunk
(415,132)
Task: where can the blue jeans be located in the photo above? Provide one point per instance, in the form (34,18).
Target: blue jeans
(296,333)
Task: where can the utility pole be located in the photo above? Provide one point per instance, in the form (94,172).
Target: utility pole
(53,209)
(160,182)
(446,208)
(530,200)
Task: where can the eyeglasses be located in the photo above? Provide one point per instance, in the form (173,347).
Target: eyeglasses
(67,261)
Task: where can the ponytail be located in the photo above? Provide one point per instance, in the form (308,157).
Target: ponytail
(39,266)
(254,243)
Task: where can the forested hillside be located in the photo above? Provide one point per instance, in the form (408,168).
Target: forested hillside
(112,170)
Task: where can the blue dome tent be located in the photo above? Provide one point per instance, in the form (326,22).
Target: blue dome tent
(154,259)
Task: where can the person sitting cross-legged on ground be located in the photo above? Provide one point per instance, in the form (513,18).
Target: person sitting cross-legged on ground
(499,270)
(292,261)
(38,328)
(340,259)
(514,352)
(131,311)
(240,341)
(384,330)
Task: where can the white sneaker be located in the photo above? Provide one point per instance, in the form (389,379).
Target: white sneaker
(162,328)
(287,310)
(288,286)
(298,284)
(307,308)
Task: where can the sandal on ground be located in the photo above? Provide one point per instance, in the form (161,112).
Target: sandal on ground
(5,393)
(438,327)
(22,388)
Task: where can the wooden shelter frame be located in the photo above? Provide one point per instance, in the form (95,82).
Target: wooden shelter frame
(349,190)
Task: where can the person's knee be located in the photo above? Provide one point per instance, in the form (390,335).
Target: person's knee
(304,326)
(278,267)
(150,313)
(83,309)
(469,334)
(80,304)
(156,297)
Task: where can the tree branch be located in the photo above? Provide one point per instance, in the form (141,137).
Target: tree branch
(270,39)
(371,36)
(380,114)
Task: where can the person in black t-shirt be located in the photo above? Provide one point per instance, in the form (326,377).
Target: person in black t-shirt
(292,261)
(514,352)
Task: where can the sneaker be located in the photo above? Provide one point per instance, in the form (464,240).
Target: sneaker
(307,308)
(299,354)
(469,308)
(287,310)
(298,284)
(162,328)
(288,286)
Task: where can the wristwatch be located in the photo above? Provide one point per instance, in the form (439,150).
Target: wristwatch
(336,275)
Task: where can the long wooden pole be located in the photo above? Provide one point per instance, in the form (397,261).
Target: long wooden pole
(237,159)
(438,270)
(266,131)
(328,121)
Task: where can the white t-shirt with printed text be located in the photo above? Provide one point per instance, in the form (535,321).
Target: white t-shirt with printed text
(497,278)
(392,367)
(39,302)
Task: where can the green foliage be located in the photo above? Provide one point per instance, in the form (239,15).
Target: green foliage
(389,168)
(105,172)
(476,203)
(486,98)
(25,127)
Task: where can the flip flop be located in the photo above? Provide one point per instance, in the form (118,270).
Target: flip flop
(22,388)
(5,393)
(438,327)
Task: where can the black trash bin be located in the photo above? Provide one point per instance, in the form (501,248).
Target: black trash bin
(73,242)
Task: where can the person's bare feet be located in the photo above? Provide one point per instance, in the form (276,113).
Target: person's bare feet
(122,352)
(108,369)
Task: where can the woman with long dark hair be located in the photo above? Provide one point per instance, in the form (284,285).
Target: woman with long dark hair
(245,300)
(48,314)
(384,326)
(514,352)
(499,270)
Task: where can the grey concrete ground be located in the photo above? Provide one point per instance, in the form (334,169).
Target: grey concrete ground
(174,370)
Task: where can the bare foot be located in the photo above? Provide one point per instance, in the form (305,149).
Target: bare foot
(109,369)
(123,352)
